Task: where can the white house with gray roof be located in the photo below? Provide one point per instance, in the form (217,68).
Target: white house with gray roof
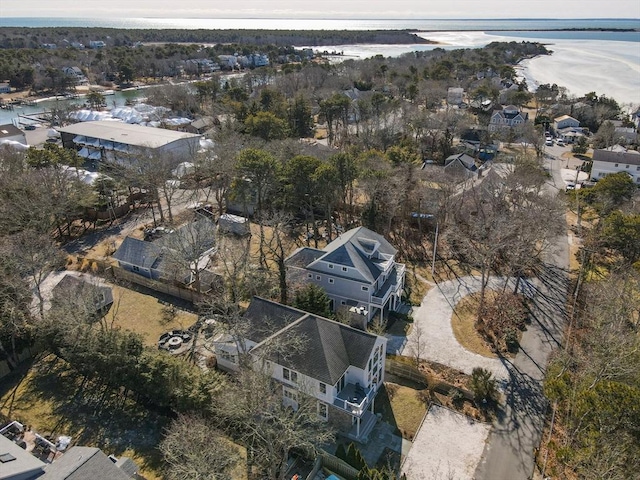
(338,365)
(608,161)
(357,270)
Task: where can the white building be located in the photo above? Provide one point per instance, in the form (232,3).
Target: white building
(606,162)
(338,366)
(117,142)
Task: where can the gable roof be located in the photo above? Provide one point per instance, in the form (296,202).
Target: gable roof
(138,252)
(328,351)
(266,318)
(83,463)
(564,117)
(630,157)
(75,287)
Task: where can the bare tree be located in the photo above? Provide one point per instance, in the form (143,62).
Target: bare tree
(194,450)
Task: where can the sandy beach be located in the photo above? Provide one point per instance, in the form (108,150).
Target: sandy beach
(608,67)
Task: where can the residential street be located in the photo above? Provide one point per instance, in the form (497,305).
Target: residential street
(509,453)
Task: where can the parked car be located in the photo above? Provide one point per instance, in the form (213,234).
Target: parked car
(560,142)
(29,127)
(548,142)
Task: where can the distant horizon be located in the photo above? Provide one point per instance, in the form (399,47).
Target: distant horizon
(367,10)
(277,17)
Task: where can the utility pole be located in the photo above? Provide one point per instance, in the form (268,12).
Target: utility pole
(435,248)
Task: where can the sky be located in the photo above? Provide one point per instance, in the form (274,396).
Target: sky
(355,9)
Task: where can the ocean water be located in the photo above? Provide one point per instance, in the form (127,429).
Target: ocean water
(608,67)
(324,24)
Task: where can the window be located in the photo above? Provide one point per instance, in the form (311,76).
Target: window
(286,373)
(229,357)
(369,367)
(136,268)
(365,289)
(342,302)
(626,166)
(290,394)
(323,411)
(323,388)
(638,169)
(345,269)
(331,280)
(318,277)
(340,384)
(616,164)
(309,275)
(331,266)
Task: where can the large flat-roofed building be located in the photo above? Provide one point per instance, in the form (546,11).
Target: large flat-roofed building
(115,141)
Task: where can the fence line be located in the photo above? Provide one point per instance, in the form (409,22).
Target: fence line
(21,357)
(183,293)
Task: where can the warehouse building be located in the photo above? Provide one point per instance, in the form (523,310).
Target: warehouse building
(116,142)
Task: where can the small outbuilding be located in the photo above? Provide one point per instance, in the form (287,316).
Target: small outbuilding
(235,224)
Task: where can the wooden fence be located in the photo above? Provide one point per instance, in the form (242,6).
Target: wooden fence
(334,464)
(409,371)
(22,356)
(173,290)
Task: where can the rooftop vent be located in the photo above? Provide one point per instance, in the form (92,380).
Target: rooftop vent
(6,458)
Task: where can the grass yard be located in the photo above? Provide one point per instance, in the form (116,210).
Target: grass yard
(143,314)
(46,396)
(402,407)
(463,325)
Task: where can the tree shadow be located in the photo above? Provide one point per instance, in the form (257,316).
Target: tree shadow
(91,413)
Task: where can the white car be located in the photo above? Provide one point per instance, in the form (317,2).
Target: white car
(548,142)
(560,142)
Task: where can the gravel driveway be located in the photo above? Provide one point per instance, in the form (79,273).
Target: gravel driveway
(433,319)
(448,446)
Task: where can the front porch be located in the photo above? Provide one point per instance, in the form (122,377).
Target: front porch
(362,427)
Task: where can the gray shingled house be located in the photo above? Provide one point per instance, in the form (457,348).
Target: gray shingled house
(86,463)
(357,270)
(340,366)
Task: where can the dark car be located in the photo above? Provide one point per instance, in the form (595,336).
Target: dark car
(30,127)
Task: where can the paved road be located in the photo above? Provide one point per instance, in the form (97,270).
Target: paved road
(509,453)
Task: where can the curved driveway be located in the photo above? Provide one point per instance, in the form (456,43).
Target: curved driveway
(432,326)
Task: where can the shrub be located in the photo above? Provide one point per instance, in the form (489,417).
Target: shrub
(483,386)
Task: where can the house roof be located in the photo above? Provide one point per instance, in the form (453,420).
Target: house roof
(138,252)
(16,462)
(355,249)
(564,117)
(74,287)
(630,157)
(266,317)
(303,256)
(328,351)
(83,463)
(9,130)
(466,160)
(128,134)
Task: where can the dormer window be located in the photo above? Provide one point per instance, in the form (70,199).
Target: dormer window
(331,266)
(345,269)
